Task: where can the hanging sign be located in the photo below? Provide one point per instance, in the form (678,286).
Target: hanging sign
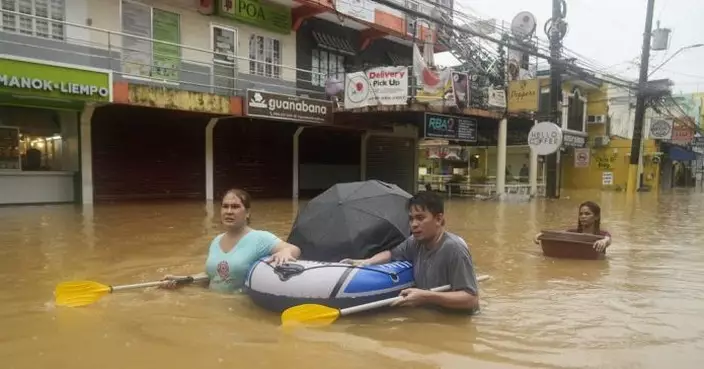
(450,128)
(581,158)
(545,138)
(571,139)
(377,86)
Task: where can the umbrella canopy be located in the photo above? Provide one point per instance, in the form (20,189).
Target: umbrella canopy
(352,220)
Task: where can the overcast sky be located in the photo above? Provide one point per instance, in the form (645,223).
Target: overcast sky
(609,32)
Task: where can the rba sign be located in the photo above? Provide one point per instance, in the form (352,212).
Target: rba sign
(287,107)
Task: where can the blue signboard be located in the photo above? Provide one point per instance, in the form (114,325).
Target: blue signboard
(450,127)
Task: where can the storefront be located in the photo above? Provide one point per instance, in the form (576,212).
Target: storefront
(40,109)
(285,146)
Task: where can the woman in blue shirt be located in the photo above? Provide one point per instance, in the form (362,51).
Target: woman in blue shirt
(231,254)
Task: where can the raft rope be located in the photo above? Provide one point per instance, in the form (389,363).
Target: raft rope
(394,276)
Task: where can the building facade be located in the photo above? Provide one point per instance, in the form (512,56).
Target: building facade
(104,100)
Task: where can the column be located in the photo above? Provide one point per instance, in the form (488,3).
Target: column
(296,165)
(87,155)
(501,158)
(210,160)
(533,171)
(363,156)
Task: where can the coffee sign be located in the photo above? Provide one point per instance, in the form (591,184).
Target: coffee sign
(450,128)
(287,107)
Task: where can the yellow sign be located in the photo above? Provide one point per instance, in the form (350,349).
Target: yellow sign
(159,97)
(523,95)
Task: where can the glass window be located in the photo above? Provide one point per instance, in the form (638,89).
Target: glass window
(37,21)
(326,64)
(264,56)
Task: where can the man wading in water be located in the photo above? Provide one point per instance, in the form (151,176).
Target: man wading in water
(439,258)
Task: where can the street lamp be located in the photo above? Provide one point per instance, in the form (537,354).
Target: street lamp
(673,55)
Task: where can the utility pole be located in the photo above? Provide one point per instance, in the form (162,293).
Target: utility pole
(552,189)
(640,101)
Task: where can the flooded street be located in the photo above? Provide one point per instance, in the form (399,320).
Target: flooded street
(640,308)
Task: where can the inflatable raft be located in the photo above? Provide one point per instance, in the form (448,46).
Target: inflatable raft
(329,283)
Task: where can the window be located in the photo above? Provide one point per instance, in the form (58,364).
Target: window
(326,64)
(264,56)
(41,25)
(575,112)
(141,56)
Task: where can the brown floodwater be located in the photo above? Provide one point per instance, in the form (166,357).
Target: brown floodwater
(642,307)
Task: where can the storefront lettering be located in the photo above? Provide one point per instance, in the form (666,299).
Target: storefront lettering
(604,162)
(441,124)
(252,10)
(300,106)
(49,85)
(544,138)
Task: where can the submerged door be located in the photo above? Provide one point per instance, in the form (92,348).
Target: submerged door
(392,160)
(224,48)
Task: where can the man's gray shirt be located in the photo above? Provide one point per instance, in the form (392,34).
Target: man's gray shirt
(449,263)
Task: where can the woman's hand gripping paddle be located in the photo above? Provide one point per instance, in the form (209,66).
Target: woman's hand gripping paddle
(81,293)
(321,315)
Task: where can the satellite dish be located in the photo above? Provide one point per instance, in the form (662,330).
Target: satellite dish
(523,25)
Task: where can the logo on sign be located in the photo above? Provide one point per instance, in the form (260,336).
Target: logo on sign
(286,107)
(441,124)
(545,138)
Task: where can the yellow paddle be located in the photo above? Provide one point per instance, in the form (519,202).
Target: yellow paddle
(81,293)
(320,315)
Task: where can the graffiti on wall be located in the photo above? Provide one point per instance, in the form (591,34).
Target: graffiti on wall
(605,161)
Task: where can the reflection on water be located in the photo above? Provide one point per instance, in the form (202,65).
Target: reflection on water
(639,308)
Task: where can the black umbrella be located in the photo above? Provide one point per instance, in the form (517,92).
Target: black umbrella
(352,220)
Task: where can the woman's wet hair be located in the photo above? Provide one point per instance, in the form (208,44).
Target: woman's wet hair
(244,197)
(596,210)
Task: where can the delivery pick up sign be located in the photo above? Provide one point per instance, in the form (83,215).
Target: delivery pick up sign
(376,86)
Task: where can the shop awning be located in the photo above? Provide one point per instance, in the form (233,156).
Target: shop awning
(679,153)
(333,43)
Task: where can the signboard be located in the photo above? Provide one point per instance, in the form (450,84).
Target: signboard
(271,16)
(581,158)
(10,148)
(287,107)
(523,95)
(376,86)
(571,139)
(450,128)
(545,138)
(661,129)
(29,78)
(607,178)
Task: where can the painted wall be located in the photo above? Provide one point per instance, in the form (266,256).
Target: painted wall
(614,158)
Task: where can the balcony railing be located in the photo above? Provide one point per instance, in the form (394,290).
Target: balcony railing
(153,62)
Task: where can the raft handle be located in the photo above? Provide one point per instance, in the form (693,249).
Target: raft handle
(286,271)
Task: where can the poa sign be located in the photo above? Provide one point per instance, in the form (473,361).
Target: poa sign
(545,138)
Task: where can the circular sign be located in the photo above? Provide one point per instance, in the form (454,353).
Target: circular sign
(545,138)
(660,129)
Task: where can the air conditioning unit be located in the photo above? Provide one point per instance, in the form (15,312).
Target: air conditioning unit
(596,119)
(601,141)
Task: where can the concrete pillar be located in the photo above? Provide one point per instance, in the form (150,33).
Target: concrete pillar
(533,172)
(363,156)
(501,158)
(296,164)
(87,155)
(210,160)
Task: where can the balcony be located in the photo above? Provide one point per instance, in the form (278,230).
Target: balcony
(140,60)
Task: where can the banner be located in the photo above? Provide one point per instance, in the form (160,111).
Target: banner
(376,86)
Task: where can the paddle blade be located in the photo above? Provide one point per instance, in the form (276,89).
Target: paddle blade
(79,293)
(309,314)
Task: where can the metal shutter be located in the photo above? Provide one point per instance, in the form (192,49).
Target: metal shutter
(392,160)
